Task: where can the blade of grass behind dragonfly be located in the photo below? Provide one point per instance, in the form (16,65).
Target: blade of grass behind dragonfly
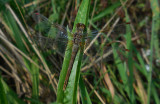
(82,17)
(121,66)
(35,82)
(129,87)
(154,43)
(105,12)
(129,84)
(69,95)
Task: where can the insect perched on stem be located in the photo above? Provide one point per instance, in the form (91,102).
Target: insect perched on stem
(62,35)
(77,42)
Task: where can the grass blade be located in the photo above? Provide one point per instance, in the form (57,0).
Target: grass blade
(85,98)
(69,96)
(3,99)
(155,27)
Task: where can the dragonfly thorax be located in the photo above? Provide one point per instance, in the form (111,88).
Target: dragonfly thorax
(77,38)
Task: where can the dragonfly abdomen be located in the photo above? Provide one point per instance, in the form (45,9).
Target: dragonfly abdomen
(73,55)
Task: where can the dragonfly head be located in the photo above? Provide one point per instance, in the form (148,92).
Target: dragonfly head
(80,26)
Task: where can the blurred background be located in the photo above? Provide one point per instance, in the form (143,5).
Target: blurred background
(121,60)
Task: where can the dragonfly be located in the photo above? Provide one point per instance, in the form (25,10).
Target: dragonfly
(60,35)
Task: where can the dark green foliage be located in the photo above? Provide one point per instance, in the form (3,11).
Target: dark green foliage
(121,67)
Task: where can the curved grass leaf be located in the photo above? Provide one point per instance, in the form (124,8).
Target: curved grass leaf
(35,82)
(7,95)
(85,98)
(3,99)
(107,11)
(69,95)
(154,42)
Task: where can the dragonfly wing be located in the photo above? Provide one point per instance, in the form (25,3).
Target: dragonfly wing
(46,44)
(52,35)
(115,33)
(47,28)
(119,29)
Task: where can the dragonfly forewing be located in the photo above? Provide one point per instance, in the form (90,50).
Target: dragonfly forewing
(50,34)
(48,28)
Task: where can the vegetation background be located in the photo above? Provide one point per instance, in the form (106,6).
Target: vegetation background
(121,66)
